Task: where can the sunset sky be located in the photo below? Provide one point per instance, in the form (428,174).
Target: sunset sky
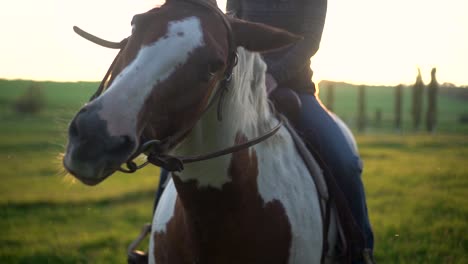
(364,42)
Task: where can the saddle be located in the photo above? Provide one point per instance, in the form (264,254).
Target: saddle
(351,242)
(287,102)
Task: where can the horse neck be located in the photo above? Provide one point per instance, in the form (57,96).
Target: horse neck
(216,193)
(224,200)
(245,115)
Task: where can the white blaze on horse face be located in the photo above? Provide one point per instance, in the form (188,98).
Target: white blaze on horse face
(153,64)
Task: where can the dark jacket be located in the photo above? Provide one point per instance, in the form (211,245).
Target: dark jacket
(290,66)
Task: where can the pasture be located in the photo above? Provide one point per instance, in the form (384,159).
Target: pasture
(416,185)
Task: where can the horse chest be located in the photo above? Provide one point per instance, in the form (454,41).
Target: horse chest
(260,216)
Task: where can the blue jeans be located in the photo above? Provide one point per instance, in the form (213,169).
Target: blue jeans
(322,133)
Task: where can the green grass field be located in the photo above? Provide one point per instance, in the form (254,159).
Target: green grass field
(416,186)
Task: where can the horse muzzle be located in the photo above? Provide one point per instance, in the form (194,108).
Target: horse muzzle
(92,154)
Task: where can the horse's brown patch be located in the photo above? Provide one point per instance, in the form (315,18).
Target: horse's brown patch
(231,225)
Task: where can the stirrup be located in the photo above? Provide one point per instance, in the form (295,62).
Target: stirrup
(135,256)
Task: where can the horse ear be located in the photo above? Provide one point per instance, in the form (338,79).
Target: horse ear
(260,37)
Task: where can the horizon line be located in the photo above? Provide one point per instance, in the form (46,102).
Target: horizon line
(444,84)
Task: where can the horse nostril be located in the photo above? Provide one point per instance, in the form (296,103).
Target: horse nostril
(73,128)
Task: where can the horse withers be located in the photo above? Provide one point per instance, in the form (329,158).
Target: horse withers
(256,205)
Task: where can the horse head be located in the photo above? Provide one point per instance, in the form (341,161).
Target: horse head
(161,83)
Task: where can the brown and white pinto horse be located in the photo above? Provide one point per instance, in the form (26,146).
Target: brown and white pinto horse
(257,205)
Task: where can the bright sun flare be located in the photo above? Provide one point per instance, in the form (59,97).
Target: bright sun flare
(365,41)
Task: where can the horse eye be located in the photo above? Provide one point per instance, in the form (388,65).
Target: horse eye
(209,76)
(206,76)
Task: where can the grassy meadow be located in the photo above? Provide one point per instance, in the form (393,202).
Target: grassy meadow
(416,184)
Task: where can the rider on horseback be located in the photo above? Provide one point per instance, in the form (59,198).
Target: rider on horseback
(290,86)
(289,83)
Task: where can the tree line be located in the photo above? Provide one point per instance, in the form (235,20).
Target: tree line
(418,115)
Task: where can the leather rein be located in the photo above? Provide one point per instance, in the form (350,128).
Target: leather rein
(155,149)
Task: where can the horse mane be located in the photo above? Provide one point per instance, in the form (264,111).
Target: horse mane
(247,90)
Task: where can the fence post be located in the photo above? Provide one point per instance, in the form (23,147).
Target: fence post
(418,89)
(431,115)
(398,106)
(361,122)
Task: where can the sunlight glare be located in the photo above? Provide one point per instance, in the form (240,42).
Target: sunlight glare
(364,41)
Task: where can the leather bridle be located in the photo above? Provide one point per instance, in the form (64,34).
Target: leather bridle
(156,149)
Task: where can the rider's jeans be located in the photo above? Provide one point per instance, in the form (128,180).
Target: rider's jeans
(323,134)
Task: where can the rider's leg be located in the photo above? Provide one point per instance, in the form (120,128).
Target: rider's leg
(321,131)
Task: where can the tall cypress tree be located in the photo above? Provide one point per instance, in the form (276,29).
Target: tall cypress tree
(361,122)
(431,114)
(418,89)
(398,106)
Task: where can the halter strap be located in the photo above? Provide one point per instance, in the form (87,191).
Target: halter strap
(232,56)
(176,163)
(107,44)
(101,42)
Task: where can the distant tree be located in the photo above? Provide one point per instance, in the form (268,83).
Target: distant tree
(330,99)
(378,118)
(418,89)
(448,85)
(431,114)
(398,106)
(361,122)
(31,101)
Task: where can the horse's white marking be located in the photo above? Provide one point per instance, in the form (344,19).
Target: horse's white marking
(163,214)
(284,177)
(205,138)
(153,64)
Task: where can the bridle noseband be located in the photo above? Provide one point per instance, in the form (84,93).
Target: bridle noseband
(155,149)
